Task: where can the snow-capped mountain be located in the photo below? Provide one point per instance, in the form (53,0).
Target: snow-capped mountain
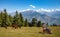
(51,17)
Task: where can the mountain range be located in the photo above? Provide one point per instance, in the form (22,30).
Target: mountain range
(46,17)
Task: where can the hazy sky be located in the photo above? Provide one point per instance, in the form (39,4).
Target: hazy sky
(12,5)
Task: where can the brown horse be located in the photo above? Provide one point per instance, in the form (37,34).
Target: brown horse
(15,26)
(46,29)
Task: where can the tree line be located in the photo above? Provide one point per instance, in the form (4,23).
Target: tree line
(18,20)
(7,20)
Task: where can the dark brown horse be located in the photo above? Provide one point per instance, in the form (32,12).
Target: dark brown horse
(14,25)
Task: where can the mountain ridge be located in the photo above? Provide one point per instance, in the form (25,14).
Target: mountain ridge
(43,16)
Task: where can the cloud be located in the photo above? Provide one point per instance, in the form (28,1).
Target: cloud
(25,10)
(32,6)
(57,9)
(45,10)
(42,10)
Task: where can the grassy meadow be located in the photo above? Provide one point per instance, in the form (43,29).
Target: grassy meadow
(28,32)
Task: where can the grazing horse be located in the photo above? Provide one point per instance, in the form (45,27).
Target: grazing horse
(15,26)
(48,31)
(45,29)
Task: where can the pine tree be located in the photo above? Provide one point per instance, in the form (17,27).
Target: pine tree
(15,19)
(18,19)
(10,20)
(21,19)
(26,22)
(4,19)
(1,18)
(39,24)
(34,21)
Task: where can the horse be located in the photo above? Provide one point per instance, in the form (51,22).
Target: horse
(46,29)
(15,26)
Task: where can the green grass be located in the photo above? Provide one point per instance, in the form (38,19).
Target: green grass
(28,32)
